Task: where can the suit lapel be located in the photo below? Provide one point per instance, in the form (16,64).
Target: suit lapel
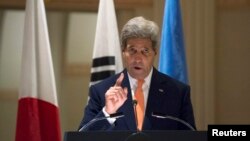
(156,91)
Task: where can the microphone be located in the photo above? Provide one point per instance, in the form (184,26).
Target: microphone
(136,120)
(115,115)
(162,116)
(138,135)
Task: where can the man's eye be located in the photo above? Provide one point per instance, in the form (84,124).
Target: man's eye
(146,51)
(132,51)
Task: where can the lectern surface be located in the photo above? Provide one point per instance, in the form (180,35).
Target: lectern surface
(130,136)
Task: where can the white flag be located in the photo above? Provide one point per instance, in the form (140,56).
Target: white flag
(107,51)
(38,112)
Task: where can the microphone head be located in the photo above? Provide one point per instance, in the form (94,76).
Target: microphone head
(134,102)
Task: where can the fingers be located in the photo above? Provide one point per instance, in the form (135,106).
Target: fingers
(111,95)
(116,93)
(122,93)
(115,98)
(119,80)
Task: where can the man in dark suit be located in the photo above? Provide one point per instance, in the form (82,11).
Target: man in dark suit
(160,95)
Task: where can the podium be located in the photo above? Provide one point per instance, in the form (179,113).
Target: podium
(171,135)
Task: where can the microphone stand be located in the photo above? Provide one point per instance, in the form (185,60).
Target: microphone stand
(159,115)
(136,119)
(138,135)
(115,115)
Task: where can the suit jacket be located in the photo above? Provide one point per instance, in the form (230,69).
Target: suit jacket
(166,96)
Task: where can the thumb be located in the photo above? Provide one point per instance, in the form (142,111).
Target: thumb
(126,90)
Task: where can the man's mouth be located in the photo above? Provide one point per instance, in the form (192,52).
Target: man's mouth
(137,68)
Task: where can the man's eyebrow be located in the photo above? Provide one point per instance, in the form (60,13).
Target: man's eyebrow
(130,46)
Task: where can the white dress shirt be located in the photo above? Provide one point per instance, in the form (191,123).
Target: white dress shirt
(145,86)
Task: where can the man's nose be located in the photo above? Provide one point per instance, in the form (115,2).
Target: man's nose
(138,56)
(139,53)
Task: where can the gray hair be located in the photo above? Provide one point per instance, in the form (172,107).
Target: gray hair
(139,27)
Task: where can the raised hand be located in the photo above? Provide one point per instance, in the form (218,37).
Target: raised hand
(115,96)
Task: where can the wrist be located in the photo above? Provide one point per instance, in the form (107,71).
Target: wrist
(106,110)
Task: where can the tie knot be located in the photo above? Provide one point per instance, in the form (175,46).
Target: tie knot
(140,83)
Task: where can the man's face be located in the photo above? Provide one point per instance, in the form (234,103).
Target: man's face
(138,57)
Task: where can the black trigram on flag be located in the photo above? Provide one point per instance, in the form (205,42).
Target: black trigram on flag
(102,68)
(107,51)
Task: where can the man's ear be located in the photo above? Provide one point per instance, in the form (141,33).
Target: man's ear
(123,54)
(156,50)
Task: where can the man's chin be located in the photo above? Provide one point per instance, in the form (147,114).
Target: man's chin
(137,74)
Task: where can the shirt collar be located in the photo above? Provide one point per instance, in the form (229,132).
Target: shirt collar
(146,84)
